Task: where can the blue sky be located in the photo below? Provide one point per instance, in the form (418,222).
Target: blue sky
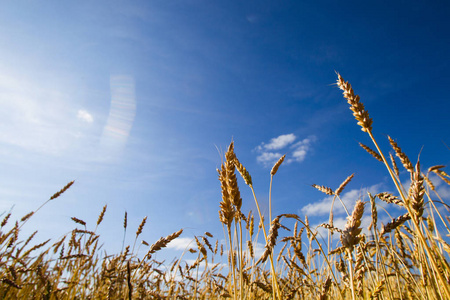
(134,99)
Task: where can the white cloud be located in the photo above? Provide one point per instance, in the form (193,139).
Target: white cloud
(180,243)
(301,148)
(268,157)
(280,141)
(348,198)
(443,191)
(85,116)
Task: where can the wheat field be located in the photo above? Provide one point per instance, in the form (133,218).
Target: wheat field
(406,258)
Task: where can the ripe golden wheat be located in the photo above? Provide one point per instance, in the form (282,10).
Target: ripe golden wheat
(406,258)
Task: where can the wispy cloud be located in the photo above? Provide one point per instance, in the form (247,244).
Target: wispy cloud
(85,116)
(301,148)
(39,116)
(295,151)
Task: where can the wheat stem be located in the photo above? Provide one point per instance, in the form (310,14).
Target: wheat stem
(276,291)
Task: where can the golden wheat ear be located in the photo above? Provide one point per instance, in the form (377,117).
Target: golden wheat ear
(401,155)
(102,214)
(359,112)
(323,189)
(65,188)
(344,184)
(243,171)
(277,165)
(349,237)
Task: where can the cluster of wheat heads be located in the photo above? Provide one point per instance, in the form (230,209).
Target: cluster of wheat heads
(74,267)
(406,258)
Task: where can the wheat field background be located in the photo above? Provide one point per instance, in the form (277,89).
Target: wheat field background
(405,258)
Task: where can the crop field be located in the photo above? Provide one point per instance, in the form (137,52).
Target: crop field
(406,258)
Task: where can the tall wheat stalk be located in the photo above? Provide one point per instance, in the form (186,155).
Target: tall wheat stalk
(362,116)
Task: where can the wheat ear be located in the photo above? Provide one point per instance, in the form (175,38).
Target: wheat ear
(349,237)
(359,112)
